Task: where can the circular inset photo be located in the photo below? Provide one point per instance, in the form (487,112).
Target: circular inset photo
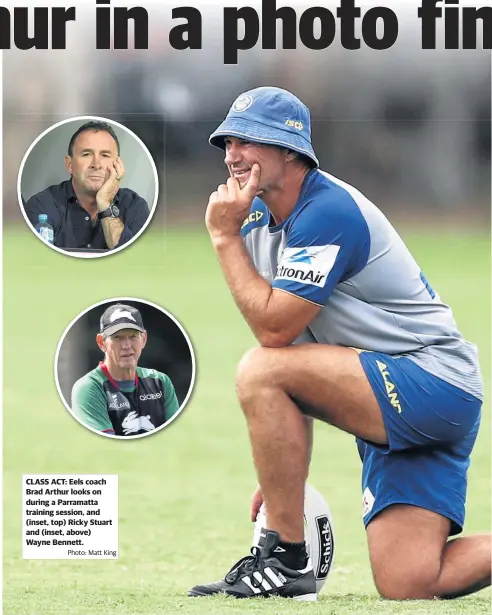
(88,187)
(125,368)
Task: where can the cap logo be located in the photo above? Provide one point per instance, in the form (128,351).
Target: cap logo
(242,103)
(294,124)
(121,314)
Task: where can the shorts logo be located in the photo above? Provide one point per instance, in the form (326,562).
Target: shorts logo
(150,396)
(255,216)
(390,387)
(310,265)
(294,124)
(242,103)
(367,501)
(325,537)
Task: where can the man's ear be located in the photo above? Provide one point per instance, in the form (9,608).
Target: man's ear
(100,341)
(144,338)
(291,155)
(68,164)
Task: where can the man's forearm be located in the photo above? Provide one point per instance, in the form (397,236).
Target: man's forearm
(112,228)
(275,317)
(250,291)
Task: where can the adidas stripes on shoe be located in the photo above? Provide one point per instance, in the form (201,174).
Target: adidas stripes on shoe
(261,575)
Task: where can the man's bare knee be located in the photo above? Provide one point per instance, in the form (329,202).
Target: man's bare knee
(405,546)
(395,586)
(253,372)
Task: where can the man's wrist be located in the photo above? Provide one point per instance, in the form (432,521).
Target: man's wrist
(110,212)
(102,205)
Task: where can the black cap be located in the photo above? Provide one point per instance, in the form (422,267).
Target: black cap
(120,316)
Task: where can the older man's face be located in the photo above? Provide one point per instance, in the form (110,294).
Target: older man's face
(123,348)
(241,155)
(93,155)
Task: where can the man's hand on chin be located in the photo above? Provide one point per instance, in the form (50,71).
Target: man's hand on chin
(107,192)
(229,206)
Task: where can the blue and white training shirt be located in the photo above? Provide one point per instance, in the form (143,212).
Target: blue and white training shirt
(339,251)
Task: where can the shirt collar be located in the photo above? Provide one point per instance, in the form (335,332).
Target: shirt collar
(69,191)
(306,182)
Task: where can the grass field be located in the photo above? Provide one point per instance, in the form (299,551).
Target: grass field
(184,493)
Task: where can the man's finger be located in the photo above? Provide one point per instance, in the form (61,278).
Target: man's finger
(120,168)
(117,170)
(223,191)
(253,182)
(232,184)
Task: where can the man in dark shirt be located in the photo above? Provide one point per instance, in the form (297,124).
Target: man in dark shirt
(90,210)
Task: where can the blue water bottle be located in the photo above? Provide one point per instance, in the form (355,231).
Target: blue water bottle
(44,229)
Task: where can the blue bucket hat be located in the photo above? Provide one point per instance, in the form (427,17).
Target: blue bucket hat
(271,116)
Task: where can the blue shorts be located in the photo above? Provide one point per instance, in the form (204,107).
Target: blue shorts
(431,428)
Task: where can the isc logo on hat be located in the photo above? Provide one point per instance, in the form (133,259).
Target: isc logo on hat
(242,103)
(294,124)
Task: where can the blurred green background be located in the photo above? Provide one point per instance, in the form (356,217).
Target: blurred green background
(184,492)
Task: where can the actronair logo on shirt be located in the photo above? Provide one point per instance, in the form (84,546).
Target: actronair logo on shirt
(310,265)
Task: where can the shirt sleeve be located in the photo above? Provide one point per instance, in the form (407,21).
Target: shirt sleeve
(328,241)
(39,205)
(171,405)
(136,216)
(89,405)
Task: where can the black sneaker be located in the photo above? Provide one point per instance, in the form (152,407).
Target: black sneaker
(261,575)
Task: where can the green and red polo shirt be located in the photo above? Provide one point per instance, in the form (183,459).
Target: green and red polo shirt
(124,410)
